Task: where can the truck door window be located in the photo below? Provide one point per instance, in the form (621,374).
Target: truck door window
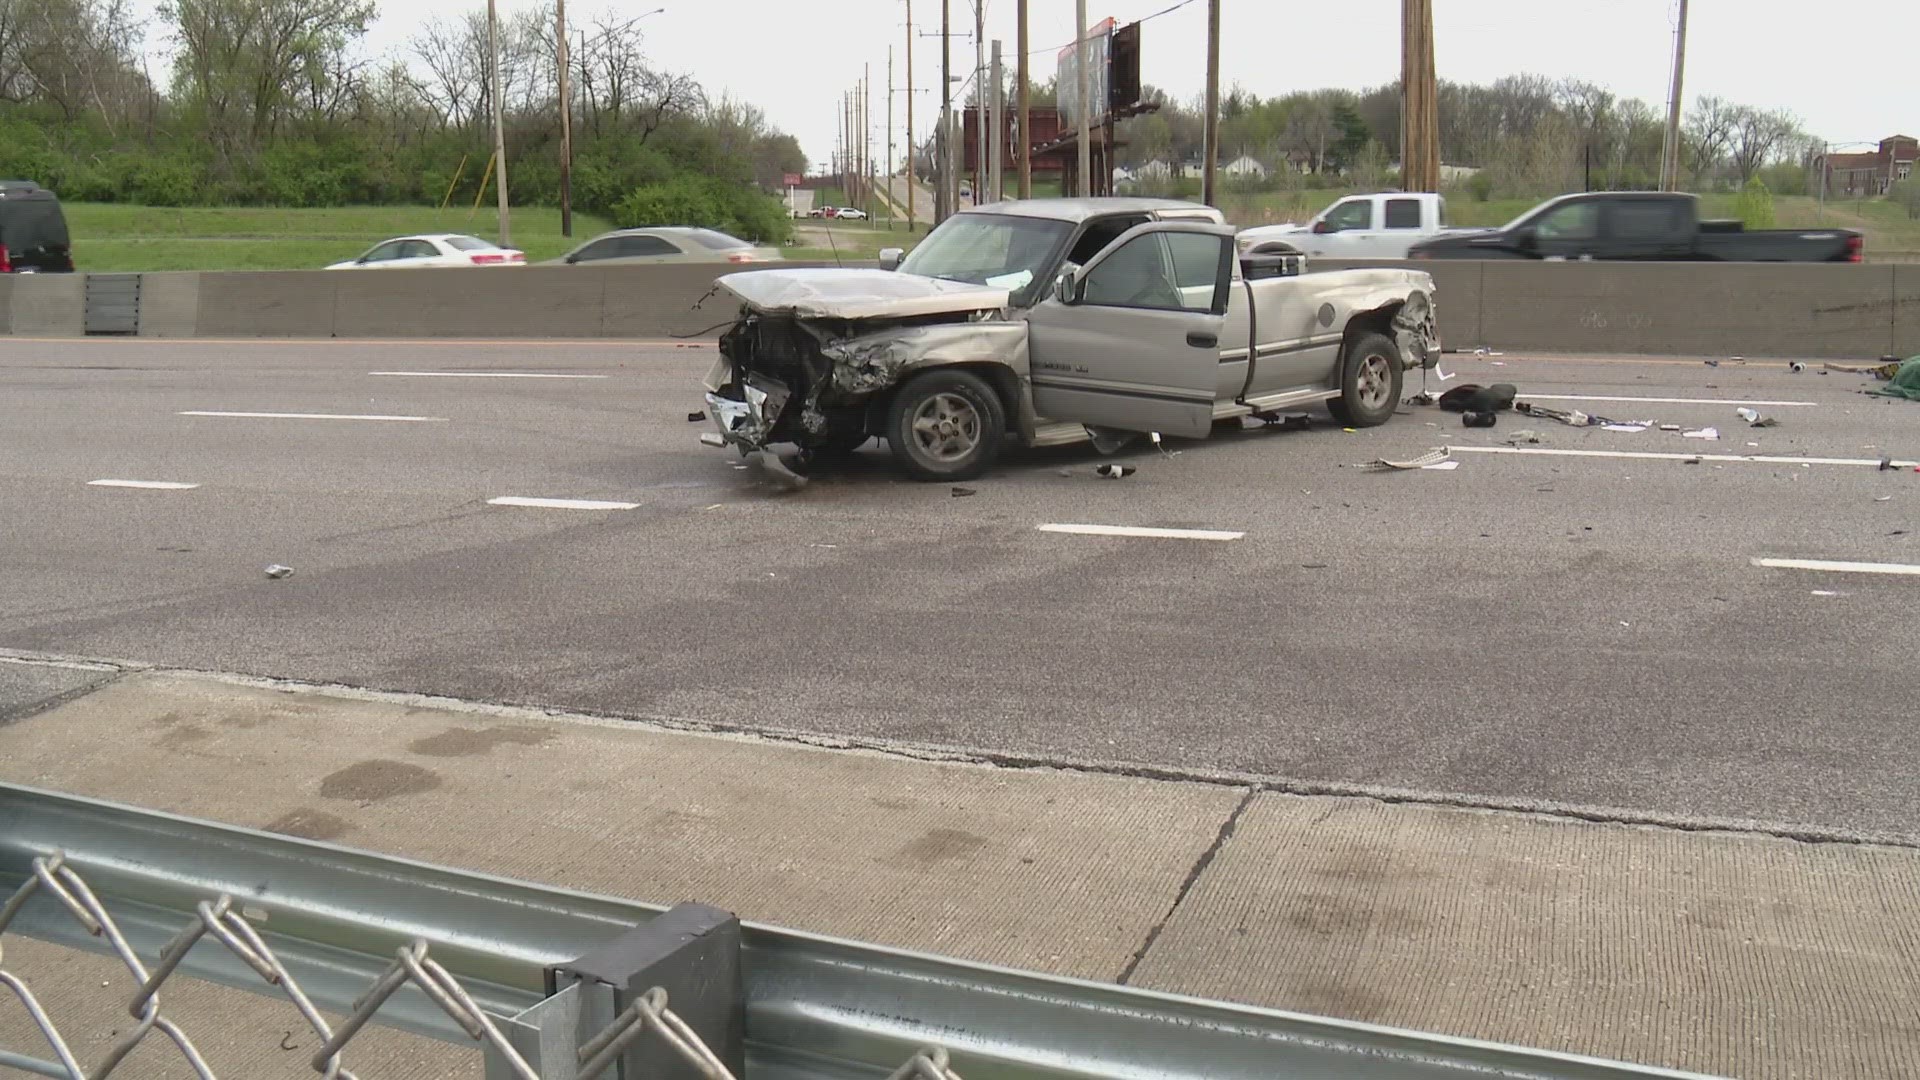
(1403,213)
(1635,219)
(1352,214)
(1139,275)
(1574,221)
(1099,235)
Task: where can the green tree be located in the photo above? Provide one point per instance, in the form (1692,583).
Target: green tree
(1754,205)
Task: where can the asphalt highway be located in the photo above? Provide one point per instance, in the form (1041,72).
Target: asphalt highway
(1579,628)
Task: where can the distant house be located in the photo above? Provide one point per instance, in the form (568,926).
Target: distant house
(1245,166)
(1872,173)
(1154,170)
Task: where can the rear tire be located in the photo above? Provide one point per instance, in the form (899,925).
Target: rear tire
(1370,381)
(946,425)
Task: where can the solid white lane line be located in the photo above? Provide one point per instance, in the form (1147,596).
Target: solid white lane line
(1840,567)
(1670,400)
(562,504)
(1136,530)
(156,485)
(317,416)
(1645,455)
(483,375)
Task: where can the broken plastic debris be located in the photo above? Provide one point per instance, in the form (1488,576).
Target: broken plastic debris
(1116,472)
(1443,466)
(1422,398)
(1445,377)
(1423,461)
(963,492)
(1886,464)
(1713,363)
(1631,429)
(1704,433)
(1825,592)
(1754,418)
(1884,498)
(1527,435)
(1796,367)
(1669,427)
(1479,419)
(276,571)
(696,416)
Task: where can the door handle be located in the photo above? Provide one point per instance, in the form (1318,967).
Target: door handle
(1200,339)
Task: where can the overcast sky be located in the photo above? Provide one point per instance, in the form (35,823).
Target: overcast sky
(1849,72)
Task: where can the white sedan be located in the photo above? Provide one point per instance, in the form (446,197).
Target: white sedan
(852,213)
(434,250)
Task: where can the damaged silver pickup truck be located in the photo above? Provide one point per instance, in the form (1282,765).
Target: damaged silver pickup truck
(1054,320)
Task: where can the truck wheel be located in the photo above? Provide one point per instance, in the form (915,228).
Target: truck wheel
(946,425)
(1370,380)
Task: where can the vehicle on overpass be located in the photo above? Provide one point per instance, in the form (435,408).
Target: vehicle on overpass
(435,250)
(666,244)
(1645,226)
(33,230)
(1382,225)
(1053,320)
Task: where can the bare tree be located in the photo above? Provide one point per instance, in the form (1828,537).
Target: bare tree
(78,56)
(1758,136)
(1708,134)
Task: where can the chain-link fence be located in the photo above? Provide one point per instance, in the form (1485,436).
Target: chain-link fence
(53,877)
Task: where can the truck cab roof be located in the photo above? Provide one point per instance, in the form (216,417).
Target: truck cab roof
(1078,210)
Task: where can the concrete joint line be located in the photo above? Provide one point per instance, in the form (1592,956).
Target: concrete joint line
(1227,829)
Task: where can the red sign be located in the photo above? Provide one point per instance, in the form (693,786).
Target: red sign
(792,179)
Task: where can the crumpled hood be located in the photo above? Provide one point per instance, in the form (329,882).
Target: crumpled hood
(832,293)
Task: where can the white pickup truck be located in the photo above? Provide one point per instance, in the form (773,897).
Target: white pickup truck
(1379,226)
(1051,320)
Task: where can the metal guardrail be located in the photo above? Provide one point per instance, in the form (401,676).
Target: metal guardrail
(334,922)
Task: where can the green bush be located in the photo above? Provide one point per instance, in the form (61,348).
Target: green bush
(1754,205)
(737,209)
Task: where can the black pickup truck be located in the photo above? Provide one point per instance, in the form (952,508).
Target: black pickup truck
(1637,225)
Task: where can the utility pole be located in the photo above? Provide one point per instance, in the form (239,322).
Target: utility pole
(866,136)
(979,101)
(1210,166)
(566,120)
(943,201)
(1419,102)
(913,148)
(1023,149)
(1670,150)
(997,128)
(886,181)
(499,123)
(1082,113)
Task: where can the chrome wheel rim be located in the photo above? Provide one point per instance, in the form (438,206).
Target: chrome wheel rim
(1375,381)
(946,427)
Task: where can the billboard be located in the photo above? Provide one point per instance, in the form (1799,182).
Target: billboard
(1099,71)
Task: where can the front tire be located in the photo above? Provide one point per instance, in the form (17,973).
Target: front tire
(946,425)
(1370,381)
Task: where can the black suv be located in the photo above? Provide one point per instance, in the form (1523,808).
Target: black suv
(33,231)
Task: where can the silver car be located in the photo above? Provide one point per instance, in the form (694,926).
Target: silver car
(667,244)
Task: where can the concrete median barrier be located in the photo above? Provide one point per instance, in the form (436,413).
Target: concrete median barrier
(1906,310)
(1823,311)
(1749,309)
(47,305)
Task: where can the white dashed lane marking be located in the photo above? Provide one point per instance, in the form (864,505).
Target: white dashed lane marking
(561,504)
(1136,530)
(153,485)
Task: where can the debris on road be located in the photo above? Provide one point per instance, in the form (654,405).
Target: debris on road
(1704,433)
(1572,418)
(1695,460)
(1630,429)
(1424,461)
(1796,367)
(1755,418)
(1479,419)
(696,416)
(1669,427)
(1884,498)
(777,470)
(1713,363)
(1422,398)
(1904,382)
(1884,371)
(963,492)
(1296,421)
(1115,472)
(1526,435)
(1886,464)
(1474,398)
(277,572)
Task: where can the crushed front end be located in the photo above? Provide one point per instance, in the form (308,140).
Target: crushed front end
(771,384)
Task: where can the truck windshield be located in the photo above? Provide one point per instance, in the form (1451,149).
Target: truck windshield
(1003,250)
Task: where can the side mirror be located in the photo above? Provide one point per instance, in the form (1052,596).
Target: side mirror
(1066,288)
(890,258)
(1323,227)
